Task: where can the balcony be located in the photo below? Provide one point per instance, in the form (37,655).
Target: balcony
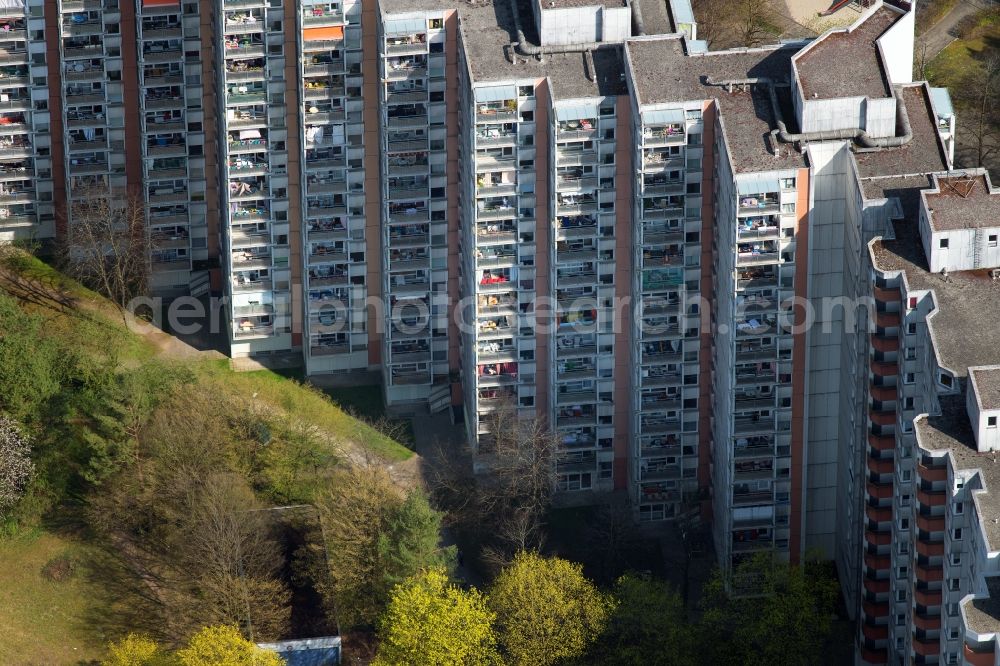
(661,186)
(246,329)
(323,254)
(494,161)
(246,260)
(490,138)
(398,46)
(657,162)
(746,498)
(85,166)
(323,65)
(244,284)
(497,113)
(575,226)
(328,278)
(404,68)
(499,304)
(759,204)
(749,426)
(161,55)
(242,49)
(329,348)
(410,377)
(496,374)
(669,135)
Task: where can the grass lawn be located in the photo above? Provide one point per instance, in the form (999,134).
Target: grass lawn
(303,402)
(43,621)
(366,402)
(965,55)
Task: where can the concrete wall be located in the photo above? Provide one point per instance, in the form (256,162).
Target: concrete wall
(579,25)
(880,117)
(961,253)
(829,216)
(987,437)
(823,115)
(896,45)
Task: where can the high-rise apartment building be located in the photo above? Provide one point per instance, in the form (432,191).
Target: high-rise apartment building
(744,285)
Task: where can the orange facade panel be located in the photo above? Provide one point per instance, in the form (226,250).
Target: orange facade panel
(323,34)
(978,658)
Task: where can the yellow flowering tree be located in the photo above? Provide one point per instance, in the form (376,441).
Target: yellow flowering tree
(547,611)
(431,622)
(225,646)
(137,650)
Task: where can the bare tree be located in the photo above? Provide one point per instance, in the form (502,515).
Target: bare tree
(711,16)
(979,93)
(229,546)
(16,468)
(184,519)
(753,21)
(107,245)
(513,496)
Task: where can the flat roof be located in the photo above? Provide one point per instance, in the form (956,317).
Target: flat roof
(987,386)
(654,17)
(567,4)
(983,614)
(847,63)
(409,6)
(965,202)
(923,154)
(488,30)
(663,73)
(964,328)
(951,431)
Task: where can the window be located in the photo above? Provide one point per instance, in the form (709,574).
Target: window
(911,328)
(959,507)
(944,380)
(913,302)
(943,243)
(900,595)
(993,240)
(694,139)
(911,353)
(901,572)
(907,403)
(956,559)
(908,378)
(954,584)
(956,534)
(900,620)
(991,422)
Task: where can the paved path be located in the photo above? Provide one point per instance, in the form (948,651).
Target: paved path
(944,32)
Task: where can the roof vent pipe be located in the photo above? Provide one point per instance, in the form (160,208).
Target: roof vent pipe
(640,25)
(858,135)
(527,49)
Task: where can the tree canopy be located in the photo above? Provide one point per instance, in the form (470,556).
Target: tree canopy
(225,646)
(547,611)
(432,622)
